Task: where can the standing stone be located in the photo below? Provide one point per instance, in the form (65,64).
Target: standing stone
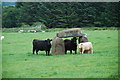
(83,38)
(58,47)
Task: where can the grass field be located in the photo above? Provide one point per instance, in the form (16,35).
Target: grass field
(19,62)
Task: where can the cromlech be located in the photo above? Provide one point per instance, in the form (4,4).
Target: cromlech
(58,46)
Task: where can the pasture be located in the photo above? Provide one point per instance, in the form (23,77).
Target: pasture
(19,62)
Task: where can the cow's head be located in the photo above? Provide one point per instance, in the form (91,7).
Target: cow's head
(80,45)
(73,40)
(48,41)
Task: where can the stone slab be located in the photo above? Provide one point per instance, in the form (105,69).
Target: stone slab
(74,32)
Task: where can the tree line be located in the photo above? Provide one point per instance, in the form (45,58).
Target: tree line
(62,14)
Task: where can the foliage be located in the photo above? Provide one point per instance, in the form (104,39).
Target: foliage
(39,25)
(10,17)
(97,24)
(62,15)
(24,25)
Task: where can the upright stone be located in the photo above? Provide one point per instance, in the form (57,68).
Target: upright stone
(58,47)
(83,38)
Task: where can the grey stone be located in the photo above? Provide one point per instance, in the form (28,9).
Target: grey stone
(58,47)
(74,32)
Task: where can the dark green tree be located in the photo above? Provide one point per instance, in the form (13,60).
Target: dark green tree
(10,17)
(62,14)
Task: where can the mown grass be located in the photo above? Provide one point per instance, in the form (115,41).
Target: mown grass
(19,62)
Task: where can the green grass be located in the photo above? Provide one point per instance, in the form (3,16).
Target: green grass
(11,30)
(19,62)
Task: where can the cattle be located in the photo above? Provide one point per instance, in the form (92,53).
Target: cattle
(42,31)
(42,45)
(70,45)
(86,46)
(21,31)
(83,38)
(32,31)
(2,37)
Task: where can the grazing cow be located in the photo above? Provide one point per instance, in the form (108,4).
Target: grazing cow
(2,37)
(21,31)
(83,38)
(32,31)
(43,31)
(86,46)
(42,45)
(70,45)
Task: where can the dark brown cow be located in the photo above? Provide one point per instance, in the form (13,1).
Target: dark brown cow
(70,45)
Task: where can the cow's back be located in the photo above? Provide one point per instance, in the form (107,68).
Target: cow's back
(40,44)
(87,45)
(67,43)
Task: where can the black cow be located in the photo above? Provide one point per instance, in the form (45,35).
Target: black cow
(42,45)
(70,45)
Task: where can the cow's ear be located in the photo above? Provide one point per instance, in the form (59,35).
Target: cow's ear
(80,36)
(76,38)
(50,39)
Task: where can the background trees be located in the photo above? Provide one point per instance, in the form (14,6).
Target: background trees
(10,17)
(61,15)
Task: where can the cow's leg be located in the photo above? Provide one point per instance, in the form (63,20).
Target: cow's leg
(65,51)
(88,51)
(82,51)
(37,51)
(33,50)
(46,53)
(75,51)
(91,51)
(70,51)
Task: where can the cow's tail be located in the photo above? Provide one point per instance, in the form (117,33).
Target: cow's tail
(34,40)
